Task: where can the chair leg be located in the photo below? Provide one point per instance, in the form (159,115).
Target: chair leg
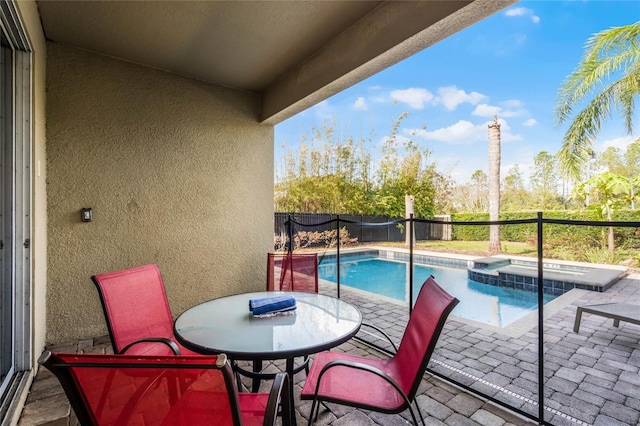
(415,401)
(413,416)
(234,366)
(311,412)
(315,410)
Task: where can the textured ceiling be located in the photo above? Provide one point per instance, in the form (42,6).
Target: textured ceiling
(293,53)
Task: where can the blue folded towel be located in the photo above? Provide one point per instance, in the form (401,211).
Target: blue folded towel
(272,304)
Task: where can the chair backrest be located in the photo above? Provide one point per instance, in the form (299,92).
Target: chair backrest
(135,307)
(426,322)
(292,272)
(147,390)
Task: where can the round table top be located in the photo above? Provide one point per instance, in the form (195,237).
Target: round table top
(226,325)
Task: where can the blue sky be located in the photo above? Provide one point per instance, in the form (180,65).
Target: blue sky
(510,64)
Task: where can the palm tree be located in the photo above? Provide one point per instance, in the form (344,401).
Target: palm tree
(494,185)
(610,68)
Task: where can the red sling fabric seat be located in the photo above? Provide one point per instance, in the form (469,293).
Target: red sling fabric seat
(137,312)
(289,272)
(161,390)
(292,272)
(389,385)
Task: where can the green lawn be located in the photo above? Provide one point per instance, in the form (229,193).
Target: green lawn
(472,247)
(625,257)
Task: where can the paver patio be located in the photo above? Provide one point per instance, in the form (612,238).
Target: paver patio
(592,377)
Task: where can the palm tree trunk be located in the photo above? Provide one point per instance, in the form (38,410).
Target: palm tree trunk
(494,185)
(610,240)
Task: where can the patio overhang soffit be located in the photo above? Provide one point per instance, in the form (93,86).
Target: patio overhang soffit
(294,54)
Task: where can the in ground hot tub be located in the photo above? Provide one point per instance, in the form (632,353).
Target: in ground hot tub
(559,277)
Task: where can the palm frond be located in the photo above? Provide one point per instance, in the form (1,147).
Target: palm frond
(606,53)
(611,39)
(610,54)
(627,89)
(583,130)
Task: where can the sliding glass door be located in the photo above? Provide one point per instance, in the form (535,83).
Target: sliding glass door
(15,209)
(6,286)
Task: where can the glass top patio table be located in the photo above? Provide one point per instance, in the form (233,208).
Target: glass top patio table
(226,325)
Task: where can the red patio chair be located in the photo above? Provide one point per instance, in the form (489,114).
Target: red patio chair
(287,272)
(137,312)
(389,385)
(292,272)
(162,390)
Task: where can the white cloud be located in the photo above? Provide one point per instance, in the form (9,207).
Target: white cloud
(512,103)
(360,104)
(451,97)
(459,133)
(511,113)
(517,11)
(510,108)
(621,143)
(484,110)
(530,122)
(523,11)
(465,132)
(414,97)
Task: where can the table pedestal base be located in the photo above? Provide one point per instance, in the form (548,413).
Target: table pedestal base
(256,375)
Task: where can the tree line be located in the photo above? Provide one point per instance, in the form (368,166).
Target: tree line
(326,174)
(329,174)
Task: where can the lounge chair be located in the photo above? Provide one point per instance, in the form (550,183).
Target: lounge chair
(618,311)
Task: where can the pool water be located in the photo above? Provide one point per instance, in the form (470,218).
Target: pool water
(498,306)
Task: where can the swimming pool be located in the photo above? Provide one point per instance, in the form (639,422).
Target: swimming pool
(497,306)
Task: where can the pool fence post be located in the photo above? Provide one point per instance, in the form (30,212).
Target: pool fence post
(289,234)
(411,263)
(338,254)
(409,202)
(540,323)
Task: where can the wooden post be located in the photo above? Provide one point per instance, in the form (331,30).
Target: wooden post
(409,201)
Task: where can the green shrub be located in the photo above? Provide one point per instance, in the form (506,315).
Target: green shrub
(554,235)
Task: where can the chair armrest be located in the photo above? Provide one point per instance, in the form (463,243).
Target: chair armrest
(386,336)
(170,343)
(363,367)
(279,394)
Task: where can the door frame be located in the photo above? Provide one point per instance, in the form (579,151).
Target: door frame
(17,207)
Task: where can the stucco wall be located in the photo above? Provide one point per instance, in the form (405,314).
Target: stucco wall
(178,172)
